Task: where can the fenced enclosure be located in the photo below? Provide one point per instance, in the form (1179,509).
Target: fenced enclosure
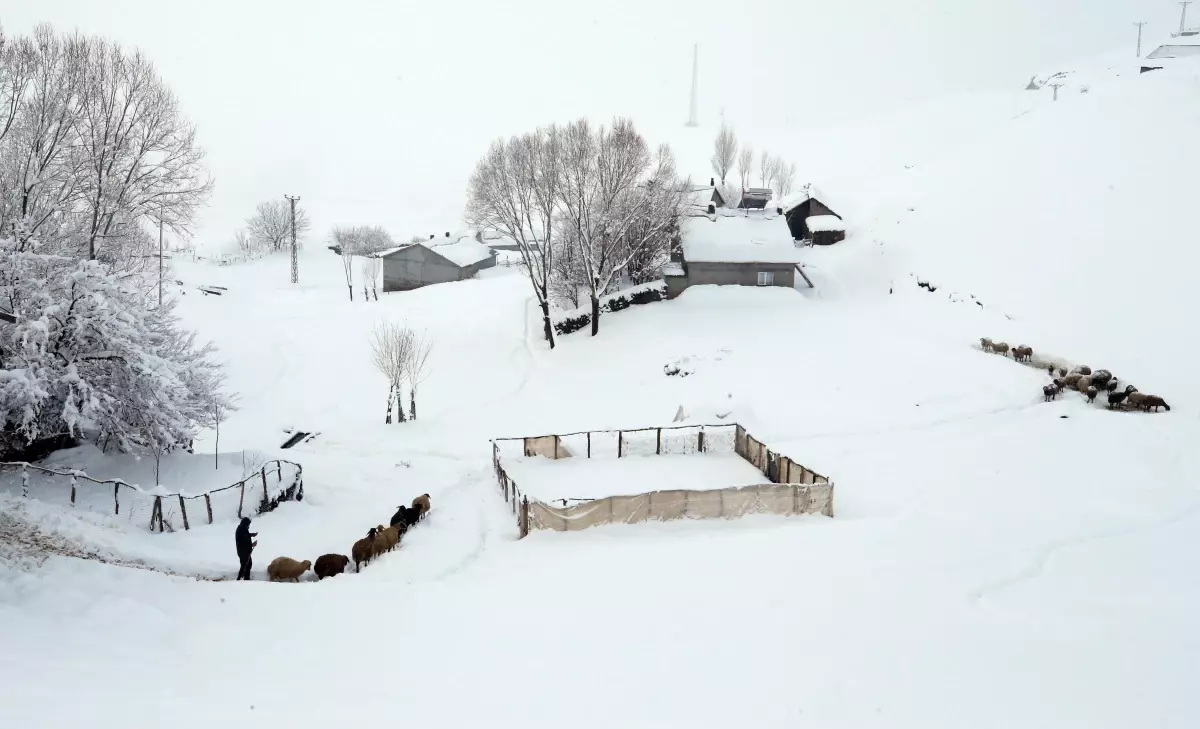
(162,510)
(793,488)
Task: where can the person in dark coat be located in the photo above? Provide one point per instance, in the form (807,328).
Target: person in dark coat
(243,537)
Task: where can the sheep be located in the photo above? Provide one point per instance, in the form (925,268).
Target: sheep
(1050,391)
(1022,353)
(329,565)
(1082,370)
(1091,393)
(400,518)
(1137,399)
(1156,402)
(1102,375)
(422,503)
(386,539)
(1083,383)
(1070,380)
(1112,385)
(364,549)
(1000,348)
(1062,371)
(985,344)
(1116,398)
(284,568)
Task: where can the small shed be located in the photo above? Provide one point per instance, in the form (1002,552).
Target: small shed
(415,265)
(825,229)
(755,198)
(805,206)
(712,194)
(733,250)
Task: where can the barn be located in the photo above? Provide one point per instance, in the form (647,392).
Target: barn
(415,265)
(809,204)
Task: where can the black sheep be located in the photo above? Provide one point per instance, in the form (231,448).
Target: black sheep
(1116,398)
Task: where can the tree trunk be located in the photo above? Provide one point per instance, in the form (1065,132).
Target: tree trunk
(351,287)
(547,326)
(595,314)
(217,448)
(388,421)
(374,293)
(400,416)
(412,403)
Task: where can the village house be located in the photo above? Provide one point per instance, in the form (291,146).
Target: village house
(809,218)
(438,260)
(731,249)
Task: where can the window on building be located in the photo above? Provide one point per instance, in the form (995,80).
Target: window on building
(766,278)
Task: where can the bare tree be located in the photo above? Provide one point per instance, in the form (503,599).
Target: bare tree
(219,411)
(787,177)
(617,200)
(243,243)
(724,151)
(270,228)
(349,243)
(745,164)
(416,367)
(568,279)
(140,153)
(391,353)
(371,268)
(514,190)
(766,168)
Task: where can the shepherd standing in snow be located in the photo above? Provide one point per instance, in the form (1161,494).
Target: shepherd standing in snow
(245,546)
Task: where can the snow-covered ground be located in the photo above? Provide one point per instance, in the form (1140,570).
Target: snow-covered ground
(592,478)
(996,560)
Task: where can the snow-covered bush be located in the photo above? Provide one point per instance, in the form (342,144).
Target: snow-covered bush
(88,356)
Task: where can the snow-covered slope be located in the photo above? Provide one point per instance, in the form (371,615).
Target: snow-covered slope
(996,560)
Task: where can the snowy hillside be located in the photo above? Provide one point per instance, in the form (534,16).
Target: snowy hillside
(995,561)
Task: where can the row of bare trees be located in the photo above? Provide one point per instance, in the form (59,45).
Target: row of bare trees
(773,172)
(93,149)
(403,357)
(587,207)
(269,229)
(363,241)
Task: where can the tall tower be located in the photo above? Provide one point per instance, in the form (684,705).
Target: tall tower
(693,120)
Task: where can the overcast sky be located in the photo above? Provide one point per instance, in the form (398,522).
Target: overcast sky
(374,112)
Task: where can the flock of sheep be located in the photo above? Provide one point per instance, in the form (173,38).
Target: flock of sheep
(378,541)
(1081,379)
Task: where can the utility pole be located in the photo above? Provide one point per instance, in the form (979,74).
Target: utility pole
(1056,87)
(1139,46)
(295,266)
(1183,15)
(693,119)
(160,253)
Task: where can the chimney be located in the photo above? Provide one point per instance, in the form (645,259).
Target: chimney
(712,182)
(431,236)
(447,234)
(779,211)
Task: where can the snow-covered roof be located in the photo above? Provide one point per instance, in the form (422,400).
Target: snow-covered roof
(1176,50)
(808,192)
(463,252)
(390,251)
(821,223)
(737,238)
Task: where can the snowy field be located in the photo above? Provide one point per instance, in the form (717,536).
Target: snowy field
(996,560)
(548,479)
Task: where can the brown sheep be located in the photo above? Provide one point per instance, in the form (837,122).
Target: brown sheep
(1082,370)
(1156,402)
(1137,399)
(422,503)
(1071,379)
(284,568)
(1091,393)
(363,550)
(985,344)
(1000,348)
(1023,353)
(1083,383)
(386,539)
(329,565)
(1050,391)
(1112,385)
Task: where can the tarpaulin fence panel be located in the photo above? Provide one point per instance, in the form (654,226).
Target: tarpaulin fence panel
(672,439)
(728,503)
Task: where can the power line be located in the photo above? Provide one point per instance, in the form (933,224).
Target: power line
(295,265)
(1056,87)
(1139,45)
(692,114)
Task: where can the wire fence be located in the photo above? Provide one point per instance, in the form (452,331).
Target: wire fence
(794,488)
(263,491)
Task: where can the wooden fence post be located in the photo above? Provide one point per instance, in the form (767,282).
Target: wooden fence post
(24,481)
(658,444)
(208,507)
(556,447)
(620,442)
(700,441)
(589,436)
(278,471)
(72,489)
(183,509)
(116,501)
(242,498)
(524,526)
(266,496)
